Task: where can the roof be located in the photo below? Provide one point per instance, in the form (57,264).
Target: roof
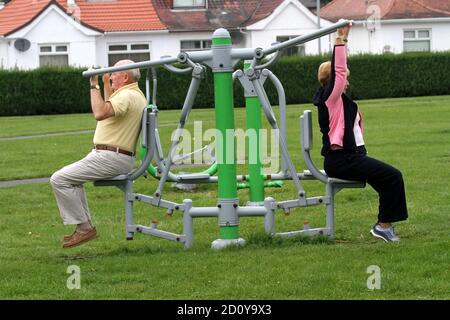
(389,9)
(101,15)
(312,4)
(230,14)
(141,15)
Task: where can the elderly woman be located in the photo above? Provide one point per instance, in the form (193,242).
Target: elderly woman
(345,155)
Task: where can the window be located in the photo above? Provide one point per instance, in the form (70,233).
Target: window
(185,4)
(137,52)
(54,55)
(292,51)
(416,40)
(195,45)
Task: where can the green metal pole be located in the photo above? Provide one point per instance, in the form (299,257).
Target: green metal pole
(224,123)
(253,119)
(223,97)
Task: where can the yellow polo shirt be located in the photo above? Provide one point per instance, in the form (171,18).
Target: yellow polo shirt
(122,129)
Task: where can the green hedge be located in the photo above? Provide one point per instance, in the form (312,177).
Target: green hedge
(57,91)
(43,91)
(405,75)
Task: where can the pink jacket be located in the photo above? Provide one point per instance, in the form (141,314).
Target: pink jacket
(334,102)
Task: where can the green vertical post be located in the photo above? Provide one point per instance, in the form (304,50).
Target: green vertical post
(224,112)
(253,122)
(223,92)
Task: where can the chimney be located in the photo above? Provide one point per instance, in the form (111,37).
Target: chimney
(2,4)
(71,3)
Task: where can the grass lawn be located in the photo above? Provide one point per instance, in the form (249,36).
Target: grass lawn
(412,134)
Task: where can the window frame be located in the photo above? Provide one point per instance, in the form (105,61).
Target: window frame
(289,37)
(128,49)
(417,38)
(53,52)
(202,44)
(187,7)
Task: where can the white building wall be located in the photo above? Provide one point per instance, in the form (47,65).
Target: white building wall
(391,34)
(3,53)
(440,37)
(52,28)
(360,40)
(160,43)
(290,21)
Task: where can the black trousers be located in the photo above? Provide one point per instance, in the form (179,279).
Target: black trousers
(385,179)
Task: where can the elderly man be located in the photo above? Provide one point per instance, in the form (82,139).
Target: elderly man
(119,119)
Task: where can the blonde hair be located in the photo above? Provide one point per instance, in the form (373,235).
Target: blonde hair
(324,72)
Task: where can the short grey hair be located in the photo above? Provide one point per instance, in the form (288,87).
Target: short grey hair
(135,74)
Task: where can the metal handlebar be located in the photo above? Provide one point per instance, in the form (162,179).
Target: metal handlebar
(308,37)
(246,53)
(137,65)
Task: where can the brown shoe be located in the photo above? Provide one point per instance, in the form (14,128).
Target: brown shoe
(68,237)
(79,238)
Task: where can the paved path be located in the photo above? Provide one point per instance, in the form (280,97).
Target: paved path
(65,133)
(13,183)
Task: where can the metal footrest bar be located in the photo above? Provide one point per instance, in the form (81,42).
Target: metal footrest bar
(158,233)
(312,201)
(315,201)
(203,212)
(251,211)
(194,177)
(309,232)
(156,202)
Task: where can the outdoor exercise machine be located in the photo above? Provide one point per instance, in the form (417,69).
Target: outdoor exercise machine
(221,59)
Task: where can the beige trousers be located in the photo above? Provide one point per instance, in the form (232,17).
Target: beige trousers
(68,182)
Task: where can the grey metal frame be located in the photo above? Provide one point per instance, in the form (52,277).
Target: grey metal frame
(332,185)
(197,75)
(252,80)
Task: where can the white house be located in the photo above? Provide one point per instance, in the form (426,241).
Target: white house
(290,19)
(78,33)
(394,25)
(98,32)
